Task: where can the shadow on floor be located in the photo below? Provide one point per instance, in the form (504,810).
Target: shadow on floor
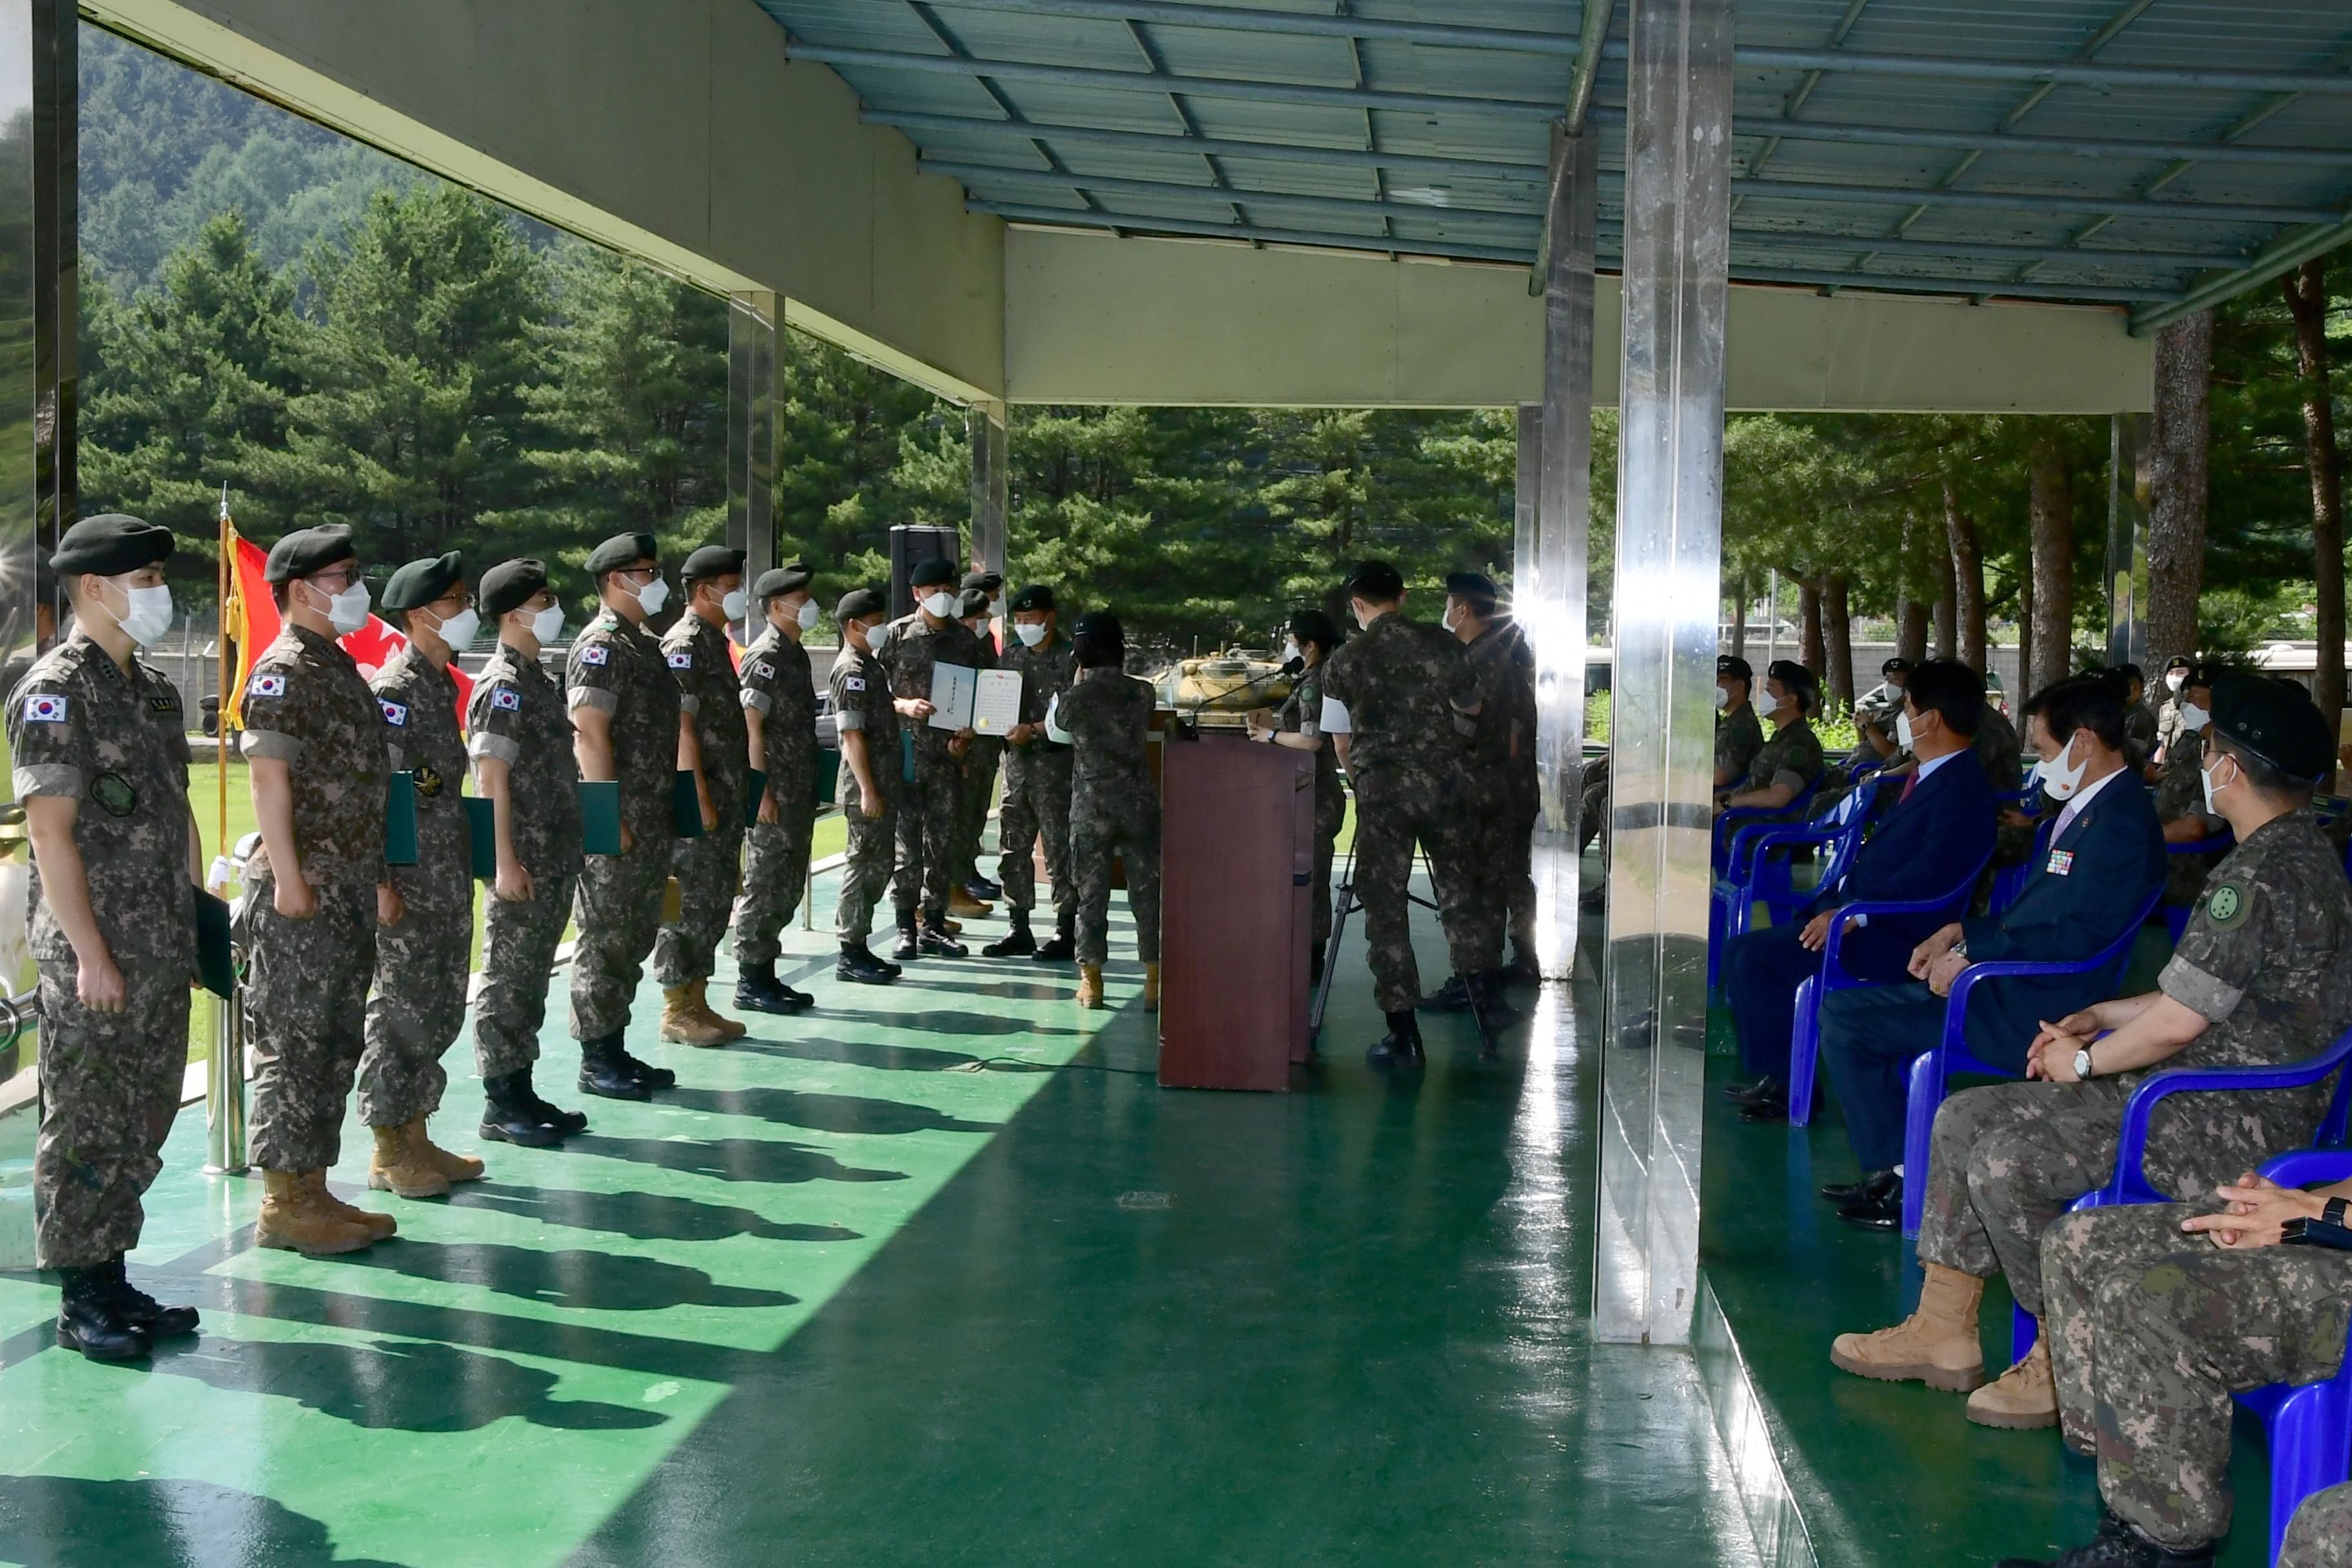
(947,1021)
(591,1281)
(411,1387)
(860,1052)
(647,1216)
(768,1161)
(58,1521)
(823,1112)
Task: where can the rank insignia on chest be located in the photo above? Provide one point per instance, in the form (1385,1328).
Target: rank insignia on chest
(681,659)
(113,792)
(267,686)
(506,699)
(764,669)
(2061,863)
(45,708)
(164,704)
(394,713)
(596,652)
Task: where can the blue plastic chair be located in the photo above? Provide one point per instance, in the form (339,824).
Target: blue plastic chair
(1756,874)
(1805,1039)
(1731,819)
(2176,916)
(2009,880)
(1931,1073)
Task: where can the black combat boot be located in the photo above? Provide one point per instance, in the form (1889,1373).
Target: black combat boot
(1060,948)
(1018,942)
(648,1074)
(1523,969)
(607,1070)
(143,1312)
(757,990)
(935,941)
(1401,1048)
(2118,1545)
(859,965)
(909,944)
(982,890)
(92,1321)
(564,1121)
(1453,997)
(1494,1011)
(508,1115)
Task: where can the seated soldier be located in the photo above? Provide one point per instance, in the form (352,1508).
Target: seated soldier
(2139,718)
(1738,738)
(2105,856)
(1790,762)
(2153,1330)
(1877,707)
(1939,830)
(2180,796)
(2263,975)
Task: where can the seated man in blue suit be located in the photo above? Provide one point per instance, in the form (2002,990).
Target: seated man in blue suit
(2106,856)
(1940,831)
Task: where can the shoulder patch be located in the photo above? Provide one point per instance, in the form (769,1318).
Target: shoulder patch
(267,686)
(596,652)
(506,698)
(394,713)
(2226,905)
(681,659)
(764,669)
(852,683)
(45,708)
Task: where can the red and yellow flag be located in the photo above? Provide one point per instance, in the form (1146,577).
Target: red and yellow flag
(249,614)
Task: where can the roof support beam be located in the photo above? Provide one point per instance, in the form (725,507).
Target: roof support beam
(2280,255)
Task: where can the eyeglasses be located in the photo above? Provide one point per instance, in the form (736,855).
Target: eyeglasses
(336,579)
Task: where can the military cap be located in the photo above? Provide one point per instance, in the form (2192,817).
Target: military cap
(2205,674)
(511,584)
(1314,627)
(2277,721)
(2178,661)
(712,560)
(308,550)
(1789,673)
(421,582)
(986,581)
(109,545)
(1898,664)
(1732,665)
(973,603)
(1100,638)
(1035,597)
(1376,581)
(860,603)
(621,550)
(777,580)
(1471,585)
(934,572)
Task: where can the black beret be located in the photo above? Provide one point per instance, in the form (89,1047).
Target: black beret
(1035,597)
(1471,584)
(1376,581)
(860,603)
(987,582)
(1898,664)
(778,580)
(511,584)
(975,602)
(1732,665)
(109,545)
(2205,674)
(1789,673)
(2277,721)
(308,550)
(2178,661)
(1100,625)
(422,581)
(621,550)
(1314,627)
(932,573)
(712,560)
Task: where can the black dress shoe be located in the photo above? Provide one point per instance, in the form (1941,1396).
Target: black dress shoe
(1882,1213)
(1873,1183)
(89,1322)
(605,1071)
(859,965)
(143,1312)
(1764,1111)
(1058,949)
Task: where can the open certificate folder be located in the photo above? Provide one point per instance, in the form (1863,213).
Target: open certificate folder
(986,701)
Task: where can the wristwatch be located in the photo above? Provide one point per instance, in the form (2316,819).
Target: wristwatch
(2083,1064)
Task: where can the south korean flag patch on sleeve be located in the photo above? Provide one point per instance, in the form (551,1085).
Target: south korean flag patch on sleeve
(45,708)
(394,713)
(681,659)
(506,699)
(761,669)
(267,686)
(596,652)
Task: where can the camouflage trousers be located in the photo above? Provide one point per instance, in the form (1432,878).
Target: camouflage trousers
(774,877)
(519,944)
(929,809)
(2151,1331)
(708,871)
(865,869)
(1330,813)
(109,1087)
(1103,824)
(418,1008)
(2321,1535)
(306,1010)
(1389,821)
(2006,1159)
(1491,860)
(618,914)
(971,817)
(1036,804)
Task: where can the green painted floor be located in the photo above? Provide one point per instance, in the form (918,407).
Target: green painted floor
(931,1275)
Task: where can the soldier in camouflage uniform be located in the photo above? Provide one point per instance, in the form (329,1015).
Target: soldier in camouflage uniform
(2180,798)
(928,810)
(778,697)
(100,752)
(713,746)
(2263,975)
(1739,735)
(970,893)
(1396,696)
(2168,712)
(1788,764)
(521,742)
(317,754)
(1036,784)
(1114,802)
(867,719)
(1503,762)
(421,959)
(2139,718)
(2321,1534)
(1299,724)
(624,715)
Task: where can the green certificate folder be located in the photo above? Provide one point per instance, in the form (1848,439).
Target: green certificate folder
(600,816)
(214,965)
(906,755)
(685,807)
(755,785)
(400,821)
(481,822)
(828,776)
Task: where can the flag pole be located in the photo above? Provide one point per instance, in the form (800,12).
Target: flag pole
(220,704)
(224,1142)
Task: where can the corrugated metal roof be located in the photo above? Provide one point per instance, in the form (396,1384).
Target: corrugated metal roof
(1422,126)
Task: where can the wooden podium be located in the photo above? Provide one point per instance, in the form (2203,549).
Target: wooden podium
(1236,861)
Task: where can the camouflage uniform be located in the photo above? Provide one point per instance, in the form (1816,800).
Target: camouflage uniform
(777,683)
(2181,792)
(1301,713)
(707,868)
(1738,738)
(420,964)
(306,995)
(2152,1330)
(1501,797)
(1791,758)
(980,762)
(931,808)
(517,716)
(1114,808)
(82,728)
(1037,786)
(620,668)
(2167,722)
(2267,959)
(861,705)
(1400,681)
(2140,734)
(1998,749)
(2321,1534)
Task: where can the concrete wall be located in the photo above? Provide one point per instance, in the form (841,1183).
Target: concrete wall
(1098,320)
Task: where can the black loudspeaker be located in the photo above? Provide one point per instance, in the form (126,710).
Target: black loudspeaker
(911,544)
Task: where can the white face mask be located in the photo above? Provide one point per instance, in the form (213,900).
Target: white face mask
(1723,700)
(653,596)
(806,615)
(996,609)
(1446,620)
(347,612)
(734,606)
(2205,779)
(1903,731)
(458,630)
(942,604)
(547,623)
(146,616)
(2060,782)
(2174,679)
(1031,632)
(2192,717)
(1290,651)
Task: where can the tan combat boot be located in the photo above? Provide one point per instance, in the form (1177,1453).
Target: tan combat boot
(1090,985)
(456,1167)
(729,1028)
(294,1220)
(397,1167)
(682,1024)
(2021,1399)
(377,1226)
(1936,1345)
(963,906)
(1151,988)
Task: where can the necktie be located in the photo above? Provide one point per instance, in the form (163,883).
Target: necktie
(1908,785)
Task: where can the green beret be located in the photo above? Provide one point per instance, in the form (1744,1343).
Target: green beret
(2277,721)
(1732,665)
(860,603)
(1471,585)
(712,560)
(1376,582)
(986,581)
(1035,597)
(777,580)
(421,582)
(621,550)
(309,550)
(932,573)
(511,584)
(108,546)
(975,602)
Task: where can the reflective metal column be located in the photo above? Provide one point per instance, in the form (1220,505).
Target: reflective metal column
(990,495)
(2131,483)
(751,328)
(1669,549)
